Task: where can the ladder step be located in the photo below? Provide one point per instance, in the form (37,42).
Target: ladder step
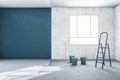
(100,52)
(99,62)
(103,47)
(100,57)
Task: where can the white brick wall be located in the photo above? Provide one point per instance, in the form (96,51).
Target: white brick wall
(60,31)
(117,32)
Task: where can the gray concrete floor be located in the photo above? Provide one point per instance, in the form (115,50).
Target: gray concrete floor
(14,64)
(67,72)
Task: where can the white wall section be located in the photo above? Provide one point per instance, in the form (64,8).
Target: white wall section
(61,48)
(117,33)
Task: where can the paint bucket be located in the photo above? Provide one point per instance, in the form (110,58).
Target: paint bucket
(74,61)
(83,60)
(70,58)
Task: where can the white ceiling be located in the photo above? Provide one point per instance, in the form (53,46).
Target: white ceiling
(86,3)
(25,3)
(59,3)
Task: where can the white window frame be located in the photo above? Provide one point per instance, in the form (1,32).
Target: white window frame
(84,37)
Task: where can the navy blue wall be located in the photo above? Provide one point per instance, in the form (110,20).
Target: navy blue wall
(25,33)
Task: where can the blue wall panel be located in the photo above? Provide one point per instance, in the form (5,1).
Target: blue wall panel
(25,33)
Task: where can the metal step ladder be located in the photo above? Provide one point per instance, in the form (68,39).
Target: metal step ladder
(103,46)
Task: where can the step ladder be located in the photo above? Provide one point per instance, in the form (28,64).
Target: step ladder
(103,47)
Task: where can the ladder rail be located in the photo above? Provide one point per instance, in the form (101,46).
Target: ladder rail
(109,55)
(104,47)
(97,52)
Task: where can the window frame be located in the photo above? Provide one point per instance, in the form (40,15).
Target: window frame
(90,30)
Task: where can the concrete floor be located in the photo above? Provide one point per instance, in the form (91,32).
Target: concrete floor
(56,70)
(14,64)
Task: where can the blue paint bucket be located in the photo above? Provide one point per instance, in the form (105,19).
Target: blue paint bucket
(83,60)
(74,61)
(70,58)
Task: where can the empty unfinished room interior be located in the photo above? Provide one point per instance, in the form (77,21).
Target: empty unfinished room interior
(59,39)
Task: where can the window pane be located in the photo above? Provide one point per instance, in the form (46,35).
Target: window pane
(73,29)
(94,26)
(83,26)
(84,41)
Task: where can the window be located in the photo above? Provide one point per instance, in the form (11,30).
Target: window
(83,29)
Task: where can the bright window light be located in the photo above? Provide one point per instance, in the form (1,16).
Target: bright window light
(83,29)
(83,41)
(83,26)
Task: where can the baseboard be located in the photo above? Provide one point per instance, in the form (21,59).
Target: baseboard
(79,59)
(117,60)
